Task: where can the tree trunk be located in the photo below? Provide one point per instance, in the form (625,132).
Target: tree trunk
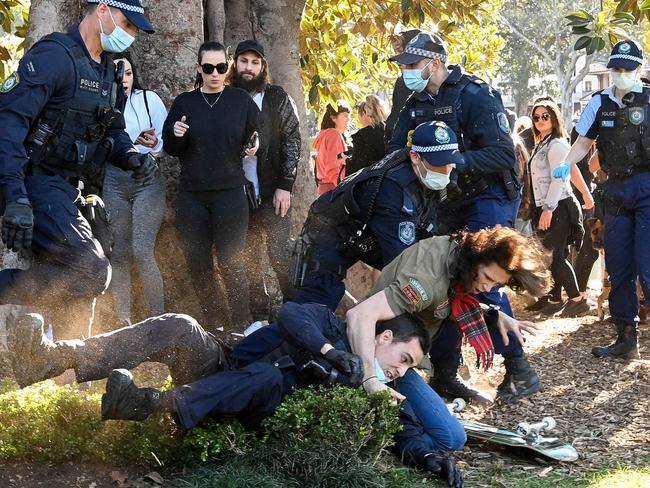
(166,64)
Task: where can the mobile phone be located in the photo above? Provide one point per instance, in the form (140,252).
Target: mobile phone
(146,132)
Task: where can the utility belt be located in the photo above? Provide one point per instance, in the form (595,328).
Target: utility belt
(469,185)
(621,174)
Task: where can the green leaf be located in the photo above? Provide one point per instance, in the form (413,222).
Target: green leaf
(581,43)
(645,5)
(313,95)
(316,80)
(375,58)
(624,16)
(579,30)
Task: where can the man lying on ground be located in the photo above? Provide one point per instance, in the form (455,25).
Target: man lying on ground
(307,345)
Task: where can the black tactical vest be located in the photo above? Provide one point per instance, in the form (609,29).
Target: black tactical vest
(69,139)
(624,134)
(447,107)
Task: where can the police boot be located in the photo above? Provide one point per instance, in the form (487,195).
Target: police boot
(448,385)
(34,357)
(520,380)
(626,345)
(125,401)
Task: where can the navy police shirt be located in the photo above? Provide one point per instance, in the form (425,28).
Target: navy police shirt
(485,132)
(45,74)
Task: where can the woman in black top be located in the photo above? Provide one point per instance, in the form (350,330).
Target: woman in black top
(208,129)
(368,142)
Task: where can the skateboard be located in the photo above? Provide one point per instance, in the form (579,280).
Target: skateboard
(526,435)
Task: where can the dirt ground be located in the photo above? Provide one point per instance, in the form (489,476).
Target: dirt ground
(601,407)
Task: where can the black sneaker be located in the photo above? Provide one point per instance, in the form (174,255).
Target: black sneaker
(552,308)
(538,305)
(520,380)
(125,401)
(575,308)
(448,385)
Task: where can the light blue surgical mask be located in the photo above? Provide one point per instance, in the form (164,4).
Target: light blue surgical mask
(431,179)
(380,373)
(413,79)
(117,41)
(624,81)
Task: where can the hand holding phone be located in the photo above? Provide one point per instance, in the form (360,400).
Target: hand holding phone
(147,138)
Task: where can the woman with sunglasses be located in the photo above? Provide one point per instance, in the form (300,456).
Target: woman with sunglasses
(557,216)
(209,129)
(137,211)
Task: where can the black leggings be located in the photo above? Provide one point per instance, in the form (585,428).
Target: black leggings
(556,239)
(216,218)
(587,256)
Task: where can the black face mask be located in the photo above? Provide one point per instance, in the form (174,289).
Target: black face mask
(253,85)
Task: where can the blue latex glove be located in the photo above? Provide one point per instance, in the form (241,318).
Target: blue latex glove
(563,171)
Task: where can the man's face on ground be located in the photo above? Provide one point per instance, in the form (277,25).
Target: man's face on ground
(249,65)
(487,277)
(395,358)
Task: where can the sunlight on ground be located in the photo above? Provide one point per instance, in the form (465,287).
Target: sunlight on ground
(623,478)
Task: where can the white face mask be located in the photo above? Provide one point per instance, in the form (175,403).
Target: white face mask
(624,81)
(381,376)
(431,179)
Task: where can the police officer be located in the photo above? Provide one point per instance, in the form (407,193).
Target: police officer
(487,191)
(617,118)
(61,122)
(373,215)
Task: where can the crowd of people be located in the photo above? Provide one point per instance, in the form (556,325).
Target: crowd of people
(429,196)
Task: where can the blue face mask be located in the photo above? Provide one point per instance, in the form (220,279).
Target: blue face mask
(117,41)
(413,79)
(433,180)
(380,373)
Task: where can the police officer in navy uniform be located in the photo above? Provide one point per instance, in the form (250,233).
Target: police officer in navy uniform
(618,119)
(61,123)
(485,191)
(373,215)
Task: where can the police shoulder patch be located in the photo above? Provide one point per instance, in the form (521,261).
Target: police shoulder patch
(10,83)
(636,115)
(503,122)
(406,232)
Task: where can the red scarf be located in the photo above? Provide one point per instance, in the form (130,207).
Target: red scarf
(466,311)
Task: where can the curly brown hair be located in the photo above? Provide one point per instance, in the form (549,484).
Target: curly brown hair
(522,257)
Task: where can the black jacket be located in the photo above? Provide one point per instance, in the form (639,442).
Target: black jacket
(279,152)
(368,148)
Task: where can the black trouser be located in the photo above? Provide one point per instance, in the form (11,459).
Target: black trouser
(557,239)
(197,363)
(587,256)
(219,219)
(276,230)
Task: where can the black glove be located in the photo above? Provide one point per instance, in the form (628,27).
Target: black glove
(347,364)
(445,468)
(144,166)
(18,225)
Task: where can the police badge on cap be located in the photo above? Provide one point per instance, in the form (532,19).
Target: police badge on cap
(626,55)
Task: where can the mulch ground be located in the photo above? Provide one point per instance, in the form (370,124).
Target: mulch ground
(602,407)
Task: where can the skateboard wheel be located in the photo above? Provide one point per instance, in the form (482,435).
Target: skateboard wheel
(549,423)
(523,428)
(459,404)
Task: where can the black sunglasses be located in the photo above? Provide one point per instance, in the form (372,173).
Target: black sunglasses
(545,116)
(208,68)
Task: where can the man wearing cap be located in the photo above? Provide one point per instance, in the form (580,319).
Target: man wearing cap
(61,123)
(486,191)
(272,170)
(372,215)
(617,118)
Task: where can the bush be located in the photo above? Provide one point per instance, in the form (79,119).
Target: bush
(50,423)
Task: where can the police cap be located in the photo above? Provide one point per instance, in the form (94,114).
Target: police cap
(423,45)
(436,143)
(132,10)
(626,55)
(249,45)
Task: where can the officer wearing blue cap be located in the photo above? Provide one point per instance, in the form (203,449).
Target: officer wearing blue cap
(61,122)
(373,215)
(486,190)
(617,118)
